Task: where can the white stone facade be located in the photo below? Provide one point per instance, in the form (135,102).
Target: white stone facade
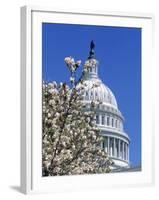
(108,117)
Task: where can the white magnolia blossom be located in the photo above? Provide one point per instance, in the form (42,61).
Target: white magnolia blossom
(71,64)
(72,79)
(69,60)
(71,139)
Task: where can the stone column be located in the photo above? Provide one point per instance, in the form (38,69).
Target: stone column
(101,145)
(110,120)
(126,151)
(106,145)
(114,148)
(108,148)
(111,148)
(119,148)
(100,119)
(123,150)
(119,125)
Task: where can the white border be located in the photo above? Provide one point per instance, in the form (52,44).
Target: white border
(32,181)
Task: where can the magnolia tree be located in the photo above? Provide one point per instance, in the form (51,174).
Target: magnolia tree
(71,139)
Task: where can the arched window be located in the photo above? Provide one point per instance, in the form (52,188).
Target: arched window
(103,144)
(91,93)
(116,123)
(97,119)
(108,121)
(86,95)
(112,122)
(103,120)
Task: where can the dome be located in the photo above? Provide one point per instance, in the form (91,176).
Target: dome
(108,117)
(96,90)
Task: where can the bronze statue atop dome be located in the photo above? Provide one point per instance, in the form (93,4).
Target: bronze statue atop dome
(92,45)
(92,53)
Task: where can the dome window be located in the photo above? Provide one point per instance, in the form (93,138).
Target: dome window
(112,122)
(103,121)
(103,145)
(116,123)
(108,121)
(97,119)
(86,95)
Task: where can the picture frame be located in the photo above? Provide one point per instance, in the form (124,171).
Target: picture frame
(31,100)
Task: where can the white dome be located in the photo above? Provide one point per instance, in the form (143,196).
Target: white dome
(98,91)
(108,117)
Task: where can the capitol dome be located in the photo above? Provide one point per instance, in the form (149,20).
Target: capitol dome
(99,93)
(109,119)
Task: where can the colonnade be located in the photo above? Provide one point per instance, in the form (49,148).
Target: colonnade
(116,148)
(109,121)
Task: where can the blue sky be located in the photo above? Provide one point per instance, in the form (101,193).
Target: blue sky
(118,50)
